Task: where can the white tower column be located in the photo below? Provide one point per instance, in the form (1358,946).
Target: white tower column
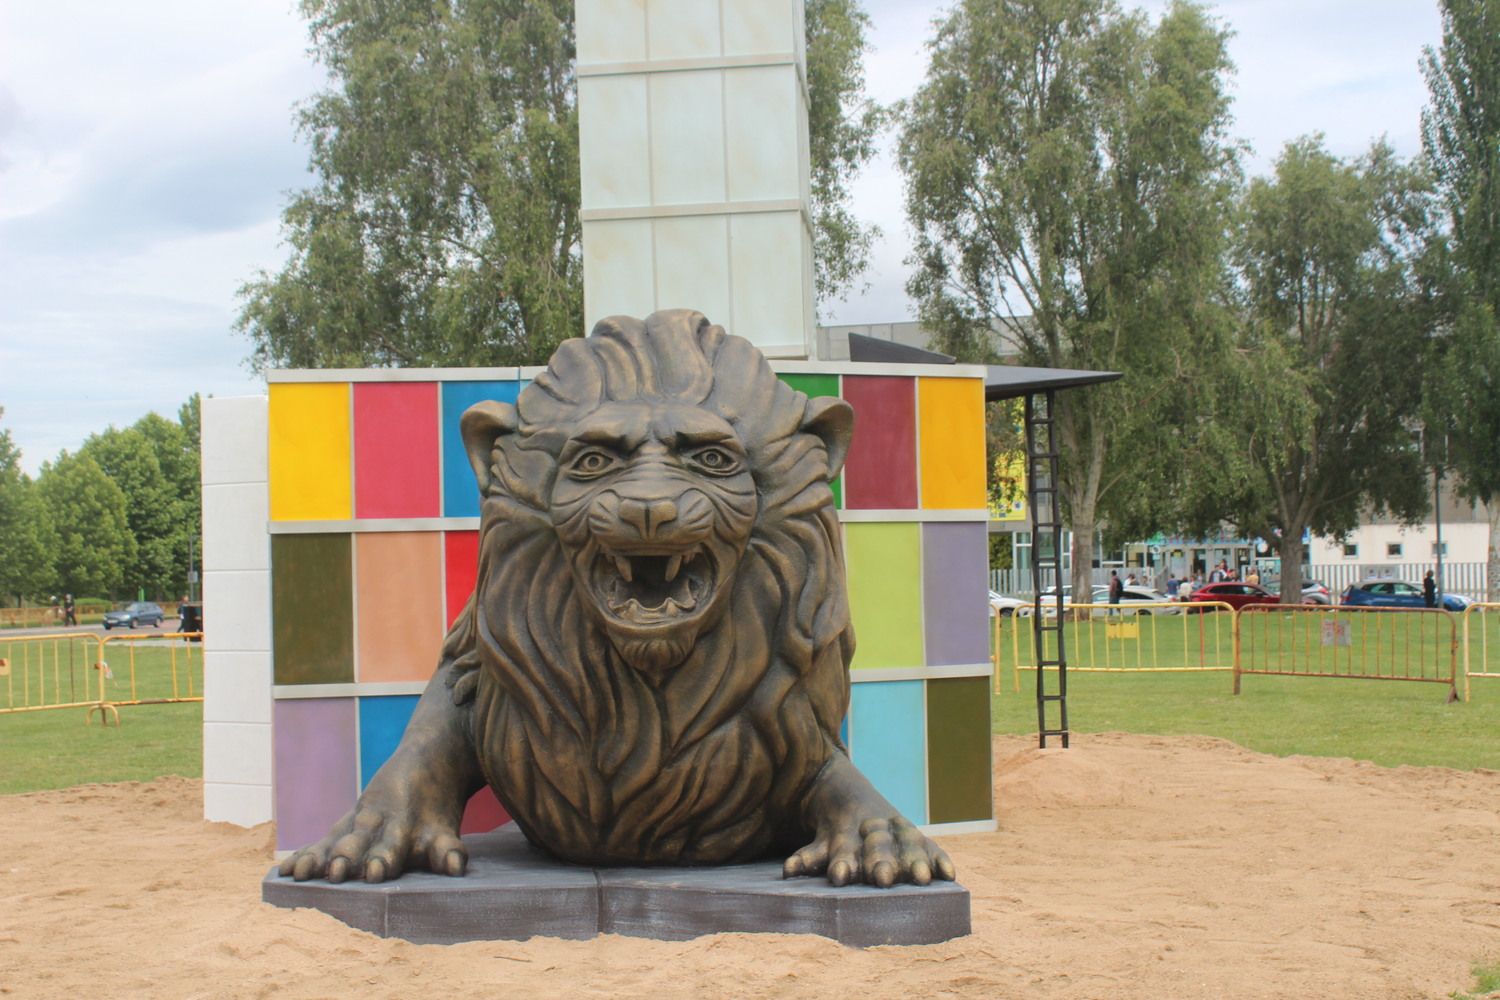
(695,171)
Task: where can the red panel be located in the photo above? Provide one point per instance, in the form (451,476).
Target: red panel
(483,813)
(881,473)
(396,449)
(461,568)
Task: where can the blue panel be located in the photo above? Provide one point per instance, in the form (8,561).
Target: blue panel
(382,720)
(889,743)
(460,494)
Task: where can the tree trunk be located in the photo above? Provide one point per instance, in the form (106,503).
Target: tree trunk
(1291,564)
(1492,568)
(1082,551)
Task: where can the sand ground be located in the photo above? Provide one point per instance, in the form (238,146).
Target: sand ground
(1127,866)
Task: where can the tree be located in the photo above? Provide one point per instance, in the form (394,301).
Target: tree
(154,512)
(1069,180)
(175,445)
(1317,406)
(94,546)
(443,226)
(1461,141)
(841,123)
(25,530)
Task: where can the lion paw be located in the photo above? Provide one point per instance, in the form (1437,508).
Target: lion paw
(375,846)
(880,852)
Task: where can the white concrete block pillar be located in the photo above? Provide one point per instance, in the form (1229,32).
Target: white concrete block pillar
(237,748)
(695,171)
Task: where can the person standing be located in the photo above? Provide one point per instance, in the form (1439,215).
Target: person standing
(1429,590)
(1116,588)
(70,616)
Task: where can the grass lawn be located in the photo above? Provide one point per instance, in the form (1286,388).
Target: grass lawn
(57,749)
(1387,722)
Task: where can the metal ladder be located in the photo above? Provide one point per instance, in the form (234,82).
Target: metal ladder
(1046,563)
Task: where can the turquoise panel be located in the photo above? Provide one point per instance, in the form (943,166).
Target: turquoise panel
(887,734)
(382,720)
(460,492)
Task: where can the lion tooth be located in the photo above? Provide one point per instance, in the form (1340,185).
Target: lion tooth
(622,565)
(673,565)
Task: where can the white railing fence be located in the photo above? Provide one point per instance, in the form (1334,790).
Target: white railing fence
(1466,578)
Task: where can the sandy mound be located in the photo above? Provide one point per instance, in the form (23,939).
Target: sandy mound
(1127,866)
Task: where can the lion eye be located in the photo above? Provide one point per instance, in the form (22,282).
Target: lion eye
(716,460)
(591,463)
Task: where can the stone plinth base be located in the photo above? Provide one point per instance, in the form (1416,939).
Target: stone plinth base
(513,891)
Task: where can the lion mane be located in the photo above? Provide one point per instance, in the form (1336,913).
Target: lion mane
(703,759)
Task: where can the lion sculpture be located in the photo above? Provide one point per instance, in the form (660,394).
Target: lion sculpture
(654,664)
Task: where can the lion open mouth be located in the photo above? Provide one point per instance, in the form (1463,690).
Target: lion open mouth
(649,589)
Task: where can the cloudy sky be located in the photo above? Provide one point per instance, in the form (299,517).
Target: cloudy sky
(146,150)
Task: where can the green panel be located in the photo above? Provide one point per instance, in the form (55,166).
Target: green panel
(884,562)
(819,385)
(958,750)
(813,385)
(312,609)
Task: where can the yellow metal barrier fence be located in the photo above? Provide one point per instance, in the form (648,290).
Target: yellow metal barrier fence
(1392,644)
(50,671)
(1141,637)
(153,669)
(73,670)
(1481,628)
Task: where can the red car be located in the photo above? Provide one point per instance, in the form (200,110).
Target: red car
(1234,593)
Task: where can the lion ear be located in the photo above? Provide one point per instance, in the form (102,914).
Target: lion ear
(481,426)
(831,419)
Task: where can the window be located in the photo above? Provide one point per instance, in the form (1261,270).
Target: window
(1435,549)
(1393,550)
(1351,550)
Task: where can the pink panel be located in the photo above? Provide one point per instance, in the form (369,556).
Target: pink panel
(461,569)
(881,472)
(396,449)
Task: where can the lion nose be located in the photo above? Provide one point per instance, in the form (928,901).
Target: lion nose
(646,516)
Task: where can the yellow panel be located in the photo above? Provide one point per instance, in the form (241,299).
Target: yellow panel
(309,451)
(950,420)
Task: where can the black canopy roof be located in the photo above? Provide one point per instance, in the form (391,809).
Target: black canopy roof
(1000,381)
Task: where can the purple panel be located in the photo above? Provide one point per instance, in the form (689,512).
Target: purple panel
(955,592)
(317,767)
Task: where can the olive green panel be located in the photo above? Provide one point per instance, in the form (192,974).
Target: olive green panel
(959,783)
(819,385)
(312,609)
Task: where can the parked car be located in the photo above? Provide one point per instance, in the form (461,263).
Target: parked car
(1131,594)
(1382,593)
(1315,592)
(1138,594)
(134,615)
(1234,593)
(1006,606)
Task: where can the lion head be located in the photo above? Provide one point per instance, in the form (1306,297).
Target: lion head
(652,447)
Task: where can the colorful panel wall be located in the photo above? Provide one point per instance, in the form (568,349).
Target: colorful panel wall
(374,550)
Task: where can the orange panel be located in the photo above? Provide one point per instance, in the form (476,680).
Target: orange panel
(950,420)
(399,596)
